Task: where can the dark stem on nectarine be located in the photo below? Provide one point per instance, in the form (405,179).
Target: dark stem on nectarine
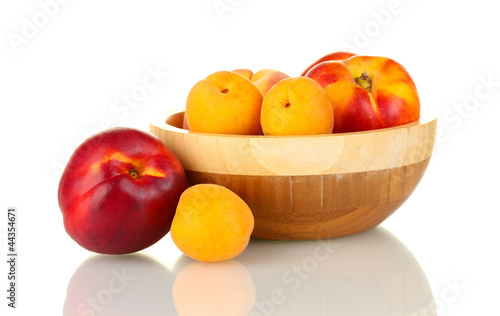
(134,174)
(364,81)
(224,90)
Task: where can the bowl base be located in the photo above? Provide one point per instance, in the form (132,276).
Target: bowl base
(319,206)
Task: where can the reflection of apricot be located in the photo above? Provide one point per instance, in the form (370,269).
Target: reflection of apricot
(222,288)
(211,223)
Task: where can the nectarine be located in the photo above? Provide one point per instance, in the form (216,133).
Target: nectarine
(119,191)
(333,56)
(368,92)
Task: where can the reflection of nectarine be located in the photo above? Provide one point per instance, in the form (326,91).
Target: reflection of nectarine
(125,285)
(296,106)
(368,92)
(226,103)
(263,79)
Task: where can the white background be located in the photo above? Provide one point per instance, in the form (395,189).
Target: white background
(63,72)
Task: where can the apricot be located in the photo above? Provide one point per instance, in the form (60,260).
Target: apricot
(263,79)
(185,124)
(247,73)
(211,223)
(225,103)
(297,106)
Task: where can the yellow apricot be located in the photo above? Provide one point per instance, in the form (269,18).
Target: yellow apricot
(296,106)
(211,223)
(265,79)
(247,73)
(225,103)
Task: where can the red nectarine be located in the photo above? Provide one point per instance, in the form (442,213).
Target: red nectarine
(119,191)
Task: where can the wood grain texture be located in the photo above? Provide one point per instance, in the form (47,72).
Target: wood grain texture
(320,206)
(297,155)
(308,187)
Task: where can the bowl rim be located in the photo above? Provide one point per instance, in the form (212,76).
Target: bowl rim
(159,121)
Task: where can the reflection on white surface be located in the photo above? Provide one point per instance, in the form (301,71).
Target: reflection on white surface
(218,289)
(367,274)
(134,284)
(371,273)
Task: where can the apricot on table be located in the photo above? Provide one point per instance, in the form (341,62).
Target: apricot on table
(211,223)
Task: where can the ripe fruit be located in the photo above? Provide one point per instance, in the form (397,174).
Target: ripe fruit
(247,73)
(296,106)
(119,191)
(263,79)
(211,223)
(368,93)
(185,124)
(225,103)
(332,56)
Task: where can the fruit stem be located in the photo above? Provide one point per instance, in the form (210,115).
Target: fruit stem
(364,81)
(134,174)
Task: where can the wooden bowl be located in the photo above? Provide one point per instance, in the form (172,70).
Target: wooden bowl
(308,187)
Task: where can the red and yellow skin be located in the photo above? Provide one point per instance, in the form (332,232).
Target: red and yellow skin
(368,93)
(263,79)
(333,56)
(119,191)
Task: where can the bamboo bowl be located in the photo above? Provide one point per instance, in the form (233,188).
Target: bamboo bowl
(308,187)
